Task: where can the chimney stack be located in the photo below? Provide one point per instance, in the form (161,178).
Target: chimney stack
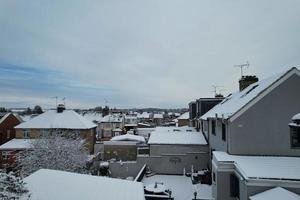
(245,81)
(60,108)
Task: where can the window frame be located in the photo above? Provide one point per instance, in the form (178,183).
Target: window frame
(213,126)
(295,134)
(223,131)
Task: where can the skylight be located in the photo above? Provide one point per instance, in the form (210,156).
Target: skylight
(255,86)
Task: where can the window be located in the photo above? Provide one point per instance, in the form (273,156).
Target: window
(223,132)
(213,127)
(26,134)
(214,177)
(8,134)
(295,136)
(5,155)
(234,186)
(45,133)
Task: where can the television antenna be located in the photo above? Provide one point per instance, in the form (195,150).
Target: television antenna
(56,97)
(242,66)
(215,91)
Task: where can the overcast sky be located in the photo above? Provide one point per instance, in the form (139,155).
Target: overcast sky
(158,53)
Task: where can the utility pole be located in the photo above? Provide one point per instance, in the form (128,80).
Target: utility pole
(242,66)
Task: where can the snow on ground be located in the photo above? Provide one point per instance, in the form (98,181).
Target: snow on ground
(52,184)
(181,186)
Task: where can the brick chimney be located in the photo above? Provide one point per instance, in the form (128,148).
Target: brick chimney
(60,108)
(245,81)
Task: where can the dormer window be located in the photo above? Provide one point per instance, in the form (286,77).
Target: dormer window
(295,131)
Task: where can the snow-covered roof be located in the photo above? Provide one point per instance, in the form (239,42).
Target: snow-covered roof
(68,119)
(144,115)
(93,116)
(277,193)
(114,118)
(26,118)
(296,117)
(17,144)
(130,117)
(256,167)
(130,125)
(236,101)
(158,116)
(48,184)
(177,137)
(175,129)
(128,137)
(185,115)
(4,117)
(181,186)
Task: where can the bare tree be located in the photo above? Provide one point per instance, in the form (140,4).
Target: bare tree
(56,152)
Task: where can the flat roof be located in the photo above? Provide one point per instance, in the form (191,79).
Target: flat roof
(263,167)
(48,184)
(177,137)
(181,186)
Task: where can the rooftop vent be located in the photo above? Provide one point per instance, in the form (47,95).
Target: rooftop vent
(245,81)
(60,108)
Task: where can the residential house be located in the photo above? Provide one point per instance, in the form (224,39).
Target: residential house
(184,119)
(145,117)
(158,119)
(108,124)
(177,150)
(46,184)
(256,147)
(203,105)
(58,121)
(251,177)
(254,120)
(123,147)
(7,123)
(193,113)
(9,150)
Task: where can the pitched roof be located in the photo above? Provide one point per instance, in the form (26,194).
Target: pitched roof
(232,104)
(262,167)
(4,117)
(51,119)
(48,184)
(185,115)
(277,193)
(17,144)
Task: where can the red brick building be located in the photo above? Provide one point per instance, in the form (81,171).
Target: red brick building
(7,123)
